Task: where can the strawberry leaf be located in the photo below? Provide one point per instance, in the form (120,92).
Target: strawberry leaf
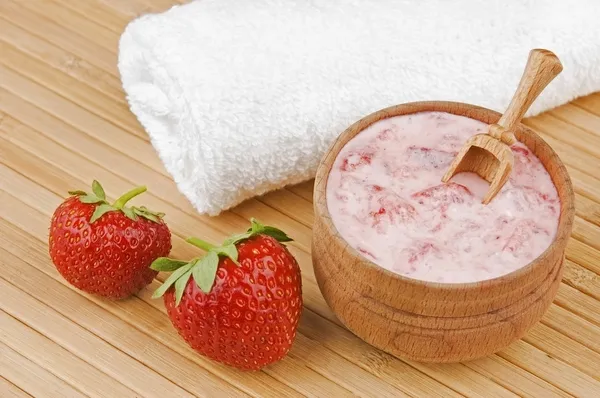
(98,190)
(147,214)
(171,280)
(258,228)
(165,264)
(150,217)
(229,251)
(180,285)
(148,211)
(205,271)
(129,213)
(232,240)
(276,233)
(98,196)
(100,211)
(255,226)
(88,198)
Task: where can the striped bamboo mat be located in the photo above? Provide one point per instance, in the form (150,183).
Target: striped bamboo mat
(64,121)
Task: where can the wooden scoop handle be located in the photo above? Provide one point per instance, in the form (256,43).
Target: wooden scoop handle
(542,67)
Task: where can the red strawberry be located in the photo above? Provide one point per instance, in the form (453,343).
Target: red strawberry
(240,303)
(522,235)
(523,158)
(386,208)
(355,160)
(386,135)
(409,258)
(443,194)
(107,249)
(421,250)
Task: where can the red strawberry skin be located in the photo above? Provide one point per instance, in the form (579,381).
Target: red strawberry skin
(110,257)
(249,318)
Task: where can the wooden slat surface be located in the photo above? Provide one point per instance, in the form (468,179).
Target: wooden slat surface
(64,121)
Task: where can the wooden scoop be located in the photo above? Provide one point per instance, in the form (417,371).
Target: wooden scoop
(489,155)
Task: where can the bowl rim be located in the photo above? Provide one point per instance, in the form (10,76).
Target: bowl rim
(567,210)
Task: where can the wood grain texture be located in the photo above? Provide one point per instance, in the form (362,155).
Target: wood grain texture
(33,379)
(435,322)
(64,121)
(10,390)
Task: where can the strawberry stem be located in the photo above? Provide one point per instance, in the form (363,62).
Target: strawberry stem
(200,243)
(126,197)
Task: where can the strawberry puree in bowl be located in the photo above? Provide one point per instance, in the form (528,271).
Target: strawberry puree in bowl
(386,199)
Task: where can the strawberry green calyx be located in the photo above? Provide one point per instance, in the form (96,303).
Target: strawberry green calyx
(204,269)
(98,197)
(259,229)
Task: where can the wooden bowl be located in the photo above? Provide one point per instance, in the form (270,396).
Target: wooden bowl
(429,321)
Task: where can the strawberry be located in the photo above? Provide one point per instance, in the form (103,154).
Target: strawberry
(355,160)
(107,249)
(443,194)
(389,208)
(421,250)
(240,303)
(386,135)
(411,258)
(522,235)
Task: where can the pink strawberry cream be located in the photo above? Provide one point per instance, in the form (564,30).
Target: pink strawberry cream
(387,201)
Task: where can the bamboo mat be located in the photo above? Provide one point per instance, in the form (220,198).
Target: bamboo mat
(64,121)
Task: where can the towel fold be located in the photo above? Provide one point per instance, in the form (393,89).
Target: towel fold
(242,97)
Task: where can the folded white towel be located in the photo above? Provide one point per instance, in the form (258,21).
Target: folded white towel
(241,97)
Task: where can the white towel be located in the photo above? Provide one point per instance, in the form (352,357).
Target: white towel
(241,97)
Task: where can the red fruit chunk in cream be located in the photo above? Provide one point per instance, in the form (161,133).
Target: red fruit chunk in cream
(387,201)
